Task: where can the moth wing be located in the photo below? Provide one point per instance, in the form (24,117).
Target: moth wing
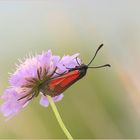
(60,84)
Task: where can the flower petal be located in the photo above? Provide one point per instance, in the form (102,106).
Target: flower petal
(44,101)
(12,105)
(58,98)
(5,110)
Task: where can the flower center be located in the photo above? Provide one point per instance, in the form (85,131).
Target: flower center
(33,85)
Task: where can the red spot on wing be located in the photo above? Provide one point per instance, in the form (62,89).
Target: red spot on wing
(58,85)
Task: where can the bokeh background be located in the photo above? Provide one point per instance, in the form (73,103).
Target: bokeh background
(106,103)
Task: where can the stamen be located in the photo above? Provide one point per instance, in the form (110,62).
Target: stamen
(38,73)
(31,80)
(24,97)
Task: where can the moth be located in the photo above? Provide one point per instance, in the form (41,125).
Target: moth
(58,85)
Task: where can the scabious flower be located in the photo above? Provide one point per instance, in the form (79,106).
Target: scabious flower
(25,82)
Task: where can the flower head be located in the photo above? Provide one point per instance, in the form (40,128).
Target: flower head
(26,82)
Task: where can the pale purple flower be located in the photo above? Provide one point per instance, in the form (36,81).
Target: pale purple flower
(25,82)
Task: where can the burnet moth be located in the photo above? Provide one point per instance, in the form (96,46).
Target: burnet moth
(58,85)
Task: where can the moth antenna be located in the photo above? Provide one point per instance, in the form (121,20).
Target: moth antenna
(106,65)
(95,54)
(77,61)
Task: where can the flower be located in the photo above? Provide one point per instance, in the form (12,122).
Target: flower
(25,82)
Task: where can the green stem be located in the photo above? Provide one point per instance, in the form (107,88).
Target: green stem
(58,117)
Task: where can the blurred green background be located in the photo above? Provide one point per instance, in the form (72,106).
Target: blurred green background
(106,103)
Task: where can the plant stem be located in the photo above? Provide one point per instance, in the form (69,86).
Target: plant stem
(58,117)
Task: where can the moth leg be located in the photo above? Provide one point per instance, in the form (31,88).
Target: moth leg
(61,73)
(53,72)
(66,67)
